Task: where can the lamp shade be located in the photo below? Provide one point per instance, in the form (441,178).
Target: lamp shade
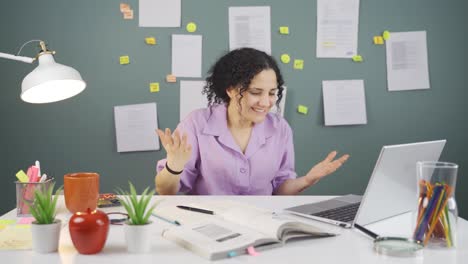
(51,82)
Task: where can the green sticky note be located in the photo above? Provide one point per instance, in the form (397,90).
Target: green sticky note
(285,58)
(357,58)
(284,30)
(298,64)
(22,177)
(386,34)
(302,109)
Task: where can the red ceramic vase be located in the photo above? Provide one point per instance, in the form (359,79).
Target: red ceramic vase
(88,231)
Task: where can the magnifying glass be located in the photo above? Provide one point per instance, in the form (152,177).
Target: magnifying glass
(393,246)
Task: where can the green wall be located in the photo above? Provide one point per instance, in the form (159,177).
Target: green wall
(78,134)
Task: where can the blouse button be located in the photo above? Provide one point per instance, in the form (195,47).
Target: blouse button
(242,170)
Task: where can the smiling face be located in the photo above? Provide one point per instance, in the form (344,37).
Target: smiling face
(253,104)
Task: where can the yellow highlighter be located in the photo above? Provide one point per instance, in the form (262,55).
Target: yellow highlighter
(22,177)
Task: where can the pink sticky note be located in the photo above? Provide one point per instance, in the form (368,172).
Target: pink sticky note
(34,174)
(251,251)
(25,220)
(29,173)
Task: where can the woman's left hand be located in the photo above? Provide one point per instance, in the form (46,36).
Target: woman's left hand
(325,167)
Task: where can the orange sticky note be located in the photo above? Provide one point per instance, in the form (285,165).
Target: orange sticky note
(128,14)
(378,40)
(124,7)
(298,64)
(154,87)
(124,60)
(171,78)
(150,40)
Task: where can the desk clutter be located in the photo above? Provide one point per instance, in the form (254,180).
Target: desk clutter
(212,228)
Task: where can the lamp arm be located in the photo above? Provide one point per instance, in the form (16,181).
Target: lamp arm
(18,58)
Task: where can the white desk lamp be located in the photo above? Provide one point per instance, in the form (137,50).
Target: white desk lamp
(50,81)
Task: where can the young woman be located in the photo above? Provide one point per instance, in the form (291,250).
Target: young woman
(235,146)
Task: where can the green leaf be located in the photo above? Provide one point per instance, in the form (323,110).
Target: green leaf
(43,209)
(137,208)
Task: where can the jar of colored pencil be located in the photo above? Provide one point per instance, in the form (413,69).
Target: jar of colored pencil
(437,214)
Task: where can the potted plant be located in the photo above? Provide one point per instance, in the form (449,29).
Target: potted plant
(138,227)
(45,229)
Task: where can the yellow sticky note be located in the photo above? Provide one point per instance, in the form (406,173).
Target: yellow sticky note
(285,58)
(7,221)
(284,30)
(150,41)
(171,78)
(357,58)
(386,34)
(191,27)
(298,64)
(302,109)
(22,177)
(378,40)
(154,87)
(124,60)
(128,14)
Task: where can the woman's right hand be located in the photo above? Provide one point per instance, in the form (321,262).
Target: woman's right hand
(177,148)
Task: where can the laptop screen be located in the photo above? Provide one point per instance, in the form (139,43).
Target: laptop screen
(392,188)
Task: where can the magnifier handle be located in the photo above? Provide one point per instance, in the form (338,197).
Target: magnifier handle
(366,231)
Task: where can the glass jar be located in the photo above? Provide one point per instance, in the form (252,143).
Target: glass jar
(437,214)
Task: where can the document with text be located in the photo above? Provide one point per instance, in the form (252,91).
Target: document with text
(250,27)
(135,127)
(407,66)
(191,97)
(187,55)
(159,13)
(344,102)
(337,28)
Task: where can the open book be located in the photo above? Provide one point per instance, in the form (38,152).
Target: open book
(234,228)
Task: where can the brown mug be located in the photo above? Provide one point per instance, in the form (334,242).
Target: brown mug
(81,191)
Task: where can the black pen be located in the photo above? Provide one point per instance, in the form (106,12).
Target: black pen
(198,210)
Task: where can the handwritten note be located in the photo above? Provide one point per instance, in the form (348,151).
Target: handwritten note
(15,237)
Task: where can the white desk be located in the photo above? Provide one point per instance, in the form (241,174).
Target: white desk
(351,246)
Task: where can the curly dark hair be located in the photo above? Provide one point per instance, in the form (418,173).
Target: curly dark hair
(238,68)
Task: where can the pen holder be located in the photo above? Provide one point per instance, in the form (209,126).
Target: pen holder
(437,214)
(25,195)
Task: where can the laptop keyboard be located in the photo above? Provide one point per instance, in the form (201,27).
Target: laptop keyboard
(344,214)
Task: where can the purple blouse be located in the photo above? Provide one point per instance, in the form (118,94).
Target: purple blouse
(219,167)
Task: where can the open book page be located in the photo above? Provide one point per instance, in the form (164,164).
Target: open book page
(261,220)
(215,237)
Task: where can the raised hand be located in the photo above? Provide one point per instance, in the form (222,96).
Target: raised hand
(177,148)
(325,167)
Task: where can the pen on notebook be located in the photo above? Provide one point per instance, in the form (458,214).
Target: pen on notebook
(198,210)
(174,222)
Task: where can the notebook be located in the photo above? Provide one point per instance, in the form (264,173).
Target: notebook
(391,190)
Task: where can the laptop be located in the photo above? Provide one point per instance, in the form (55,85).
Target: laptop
(392,188)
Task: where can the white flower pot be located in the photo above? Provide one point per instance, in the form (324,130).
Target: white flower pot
(45,238)
(138,238)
